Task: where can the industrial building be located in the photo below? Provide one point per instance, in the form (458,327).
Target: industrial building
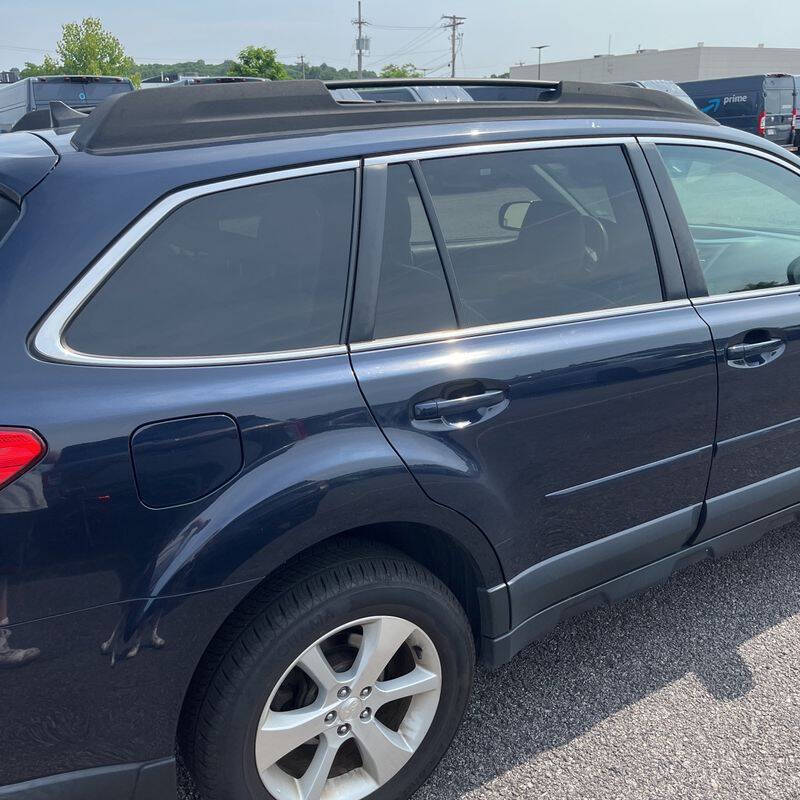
(684,64)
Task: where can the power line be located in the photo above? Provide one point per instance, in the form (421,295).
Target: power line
(454,22)
(397,27)
(413,44)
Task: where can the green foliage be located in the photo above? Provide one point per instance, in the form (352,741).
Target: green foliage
(260,62)
(404,71)
(501,75)
(325,72)
(85,48)
(48,67)
(199,67)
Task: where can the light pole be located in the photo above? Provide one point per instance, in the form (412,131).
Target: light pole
(540,47)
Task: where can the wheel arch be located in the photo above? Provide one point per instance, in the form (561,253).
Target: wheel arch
(463,570)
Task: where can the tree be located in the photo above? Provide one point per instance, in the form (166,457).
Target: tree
(406,71)
(325,72)
(259,62)
(85,48)
(199,67)
(48,67)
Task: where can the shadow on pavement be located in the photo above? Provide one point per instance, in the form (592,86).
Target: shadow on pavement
(595,665)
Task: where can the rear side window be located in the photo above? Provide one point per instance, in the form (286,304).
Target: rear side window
(544,232)
(8,216)
(412,294)
(257,269)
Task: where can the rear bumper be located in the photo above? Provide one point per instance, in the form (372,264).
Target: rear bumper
(151,780)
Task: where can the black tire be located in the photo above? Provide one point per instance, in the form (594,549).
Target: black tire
(347,581)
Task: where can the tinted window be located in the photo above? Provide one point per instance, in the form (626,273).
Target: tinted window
(250,270)
(8,216)
(744,214)
(74,92)
(574,238)
(412,295)
(779,101)
(389,95)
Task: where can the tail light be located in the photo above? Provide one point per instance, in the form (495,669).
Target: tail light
(762,124)
(794,120)
(20,449)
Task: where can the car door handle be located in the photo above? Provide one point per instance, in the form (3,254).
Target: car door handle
(738,351)
(441,407)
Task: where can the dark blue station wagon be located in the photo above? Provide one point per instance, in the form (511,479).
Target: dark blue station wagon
(305,403)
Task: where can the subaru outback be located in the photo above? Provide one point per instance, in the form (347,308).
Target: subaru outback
(307,405)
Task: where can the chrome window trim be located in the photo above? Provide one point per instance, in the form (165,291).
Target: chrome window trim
(516,325)
(495,147)
(749,294)
(747,150)
(48,340)
(720,145)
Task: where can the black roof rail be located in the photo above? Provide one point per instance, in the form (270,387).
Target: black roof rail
(367,83)
(160,118)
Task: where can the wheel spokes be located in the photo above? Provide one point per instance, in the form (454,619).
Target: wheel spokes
(381,639)
(342,705)
(383,751)
(314,663)
(418,681)
(313,781)
(284,731)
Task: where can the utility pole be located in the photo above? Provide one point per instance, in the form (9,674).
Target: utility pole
(302,59)
(453,22)
(540,47)
(362,42)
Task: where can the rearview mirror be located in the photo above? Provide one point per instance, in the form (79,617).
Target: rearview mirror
(512,215)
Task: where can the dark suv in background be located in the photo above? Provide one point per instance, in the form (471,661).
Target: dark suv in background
(307,402)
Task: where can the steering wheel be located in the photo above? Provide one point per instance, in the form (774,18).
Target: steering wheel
(793,272)
(596,245)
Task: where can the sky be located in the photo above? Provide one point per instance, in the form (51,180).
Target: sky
(495,34)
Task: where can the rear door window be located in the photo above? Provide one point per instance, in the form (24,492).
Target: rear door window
(412,293)
(77,92)
(778,102)
(258,269)
(543,232)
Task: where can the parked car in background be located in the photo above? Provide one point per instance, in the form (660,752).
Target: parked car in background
(81,92)
(163,78)
(396,91)
(307,404)
(202,79)
(443,90)
(670,87)
(761,104)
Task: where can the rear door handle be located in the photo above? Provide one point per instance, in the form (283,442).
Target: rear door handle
(736,351)
(433,409)
(738,354)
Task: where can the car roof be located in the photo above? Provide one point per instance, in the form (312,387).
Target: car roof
(224,113)
(166,169)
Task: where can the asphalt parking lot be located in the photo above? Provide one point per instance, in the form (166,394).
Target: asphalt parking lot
(691,690)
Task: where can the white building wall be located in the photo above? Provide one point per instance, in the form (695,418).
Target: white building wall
(685,64)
